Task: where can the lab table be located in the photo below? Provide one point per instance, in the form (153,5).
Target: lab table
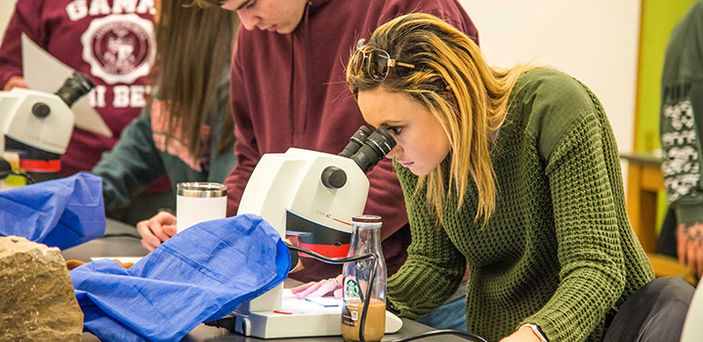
(123,240)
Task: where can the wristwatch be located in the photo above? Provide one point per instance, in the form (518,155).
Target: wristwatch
(535,328)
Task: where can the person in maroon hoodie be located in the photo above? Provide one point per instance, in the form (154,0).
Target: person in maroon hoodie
(288,68)
(112,43)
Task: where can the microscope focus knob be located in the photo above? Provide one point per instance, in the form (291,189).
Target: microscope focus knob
(334,177)
(41,110)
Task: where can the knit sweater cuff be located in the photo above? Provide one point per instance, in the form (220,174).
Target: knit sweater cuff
(416,289)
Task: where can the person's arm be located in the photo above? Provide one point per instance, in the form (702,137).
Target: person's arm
(132,164)
(245,147)
(680,128)
(592,275)
(434,267)
(26,18)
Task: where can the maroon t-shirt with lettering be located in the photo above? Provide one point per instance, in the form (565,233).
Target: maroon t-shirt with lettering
(111,41)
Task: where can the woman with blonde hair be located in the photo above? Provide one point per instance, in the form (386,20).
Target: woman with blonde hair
(515,171)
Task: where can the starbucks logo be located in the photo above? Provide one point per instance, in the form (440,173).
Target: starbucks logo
(351,288)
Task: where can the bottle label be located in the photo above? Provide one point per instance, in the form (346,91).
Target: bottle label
(349,317)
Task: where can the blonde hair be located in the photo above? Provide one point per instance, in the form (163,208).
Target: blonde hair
(467,96)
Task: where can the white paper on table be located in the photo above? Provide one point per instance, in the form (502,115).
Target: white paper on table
(44,72)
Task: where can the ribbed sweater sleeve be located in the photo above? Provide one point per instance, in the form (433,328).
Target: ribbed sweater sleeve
(434,267)
(592,275)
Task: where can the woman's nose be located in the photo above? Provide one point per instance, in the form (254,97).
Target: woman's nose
(394,152)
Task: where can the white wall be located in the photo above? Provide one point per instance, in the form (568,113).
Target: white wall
(6,9)
(596,41)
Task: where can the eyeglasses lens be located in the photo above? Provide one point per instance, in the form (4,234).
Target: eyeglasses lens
(378,64)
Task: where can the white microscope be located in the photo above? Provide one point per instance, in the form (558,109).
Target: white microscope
(37,126)
(312,195)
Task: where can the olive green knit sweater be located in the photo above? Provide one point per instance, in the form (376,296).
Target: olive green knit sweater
(559,251)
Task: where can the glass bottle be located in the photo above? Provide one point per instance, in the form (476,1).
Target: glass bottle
(365,239)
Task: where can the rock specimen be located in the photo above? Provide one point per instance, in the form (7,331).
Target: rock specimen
(36,295)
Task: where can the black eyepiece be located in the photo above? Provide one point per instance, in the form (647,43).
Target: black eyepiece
(75,86)
(376,146)
(356,141)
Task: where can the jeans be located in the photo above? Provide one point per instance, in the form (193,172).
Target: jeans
(451,314)
(654,313)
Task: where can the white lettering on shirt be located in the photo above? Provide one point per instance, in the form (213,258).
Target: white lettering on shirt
(76,10)
(133,96)
(99,7)
(124,6)
(79,9)
(121,96)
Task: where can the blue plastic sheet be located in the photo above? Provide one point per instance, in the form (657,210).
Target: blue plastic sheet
(200,274)
(59,213)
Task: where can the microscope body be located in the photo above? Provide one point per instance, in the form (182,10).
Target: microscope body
(37,125)
(287,190)
(312,195)
(35,118)
(35,129)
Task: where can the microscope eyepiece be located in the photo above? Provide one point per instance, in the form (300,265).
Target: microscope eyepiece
(75,86)
(356,141)
(376,146)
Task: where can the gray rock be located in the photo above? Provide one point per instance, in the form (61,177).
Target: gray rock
(37,302)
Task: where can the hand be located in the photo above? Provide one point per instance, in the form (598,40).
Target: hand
(320,288)
(157,229)
(15,81)
(689,244)
(523,334)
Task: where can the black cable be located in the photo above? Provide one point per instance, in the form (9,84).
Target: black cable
(469,336)
(335,261)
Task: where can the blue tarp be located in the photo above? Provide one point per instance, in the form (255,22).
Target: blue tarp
(200,274)
(59,213)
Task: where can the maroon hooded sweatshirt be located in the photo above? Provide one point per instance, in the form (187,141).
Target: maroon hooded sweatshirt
(110,41)
(289,90)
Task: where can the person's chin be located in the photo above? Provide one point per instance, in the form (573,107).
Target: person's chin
(417,171)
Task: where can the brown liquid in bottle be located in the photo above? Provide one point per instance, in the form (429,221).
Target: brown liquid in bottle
(374,326)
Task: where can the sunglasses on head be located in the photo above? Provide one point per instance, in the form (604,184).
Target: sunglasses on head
(375,63)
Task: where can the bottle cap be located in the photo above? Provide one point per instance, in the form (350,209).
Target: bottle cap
(367,219)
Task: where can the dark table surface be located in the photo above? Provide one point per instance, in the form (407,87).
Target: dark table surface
(122,240)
